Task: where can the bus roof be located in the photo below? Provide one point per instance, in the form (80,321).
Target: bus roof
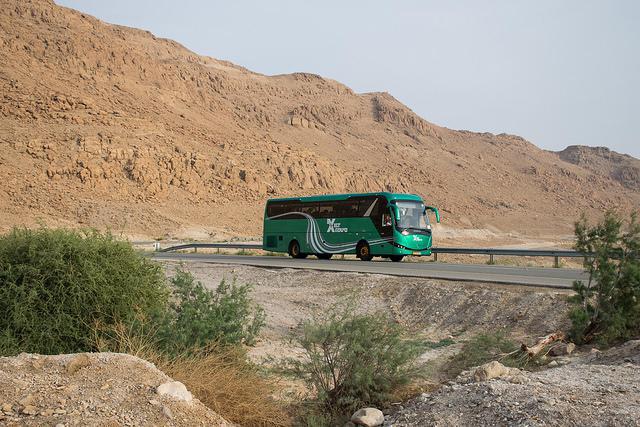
(331,197)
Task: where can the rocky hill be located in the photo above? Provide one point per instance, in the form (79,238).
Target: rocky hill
(107,126)
(620,167)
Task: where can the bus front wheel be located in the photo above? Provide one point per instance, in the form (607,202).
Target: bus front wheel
(294,250)
(396,258)
(363,251)
(324,256)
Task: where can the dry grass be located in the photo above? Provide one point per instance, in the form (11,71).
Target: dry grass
(224,381)
(122,338)
(220,377)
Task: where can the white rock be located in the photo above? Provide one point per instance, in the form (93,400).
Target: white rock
(369,417)
(175,389)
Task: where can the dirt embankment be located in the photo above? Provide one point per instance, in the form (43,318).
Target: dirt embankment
(94,389)
(431,309)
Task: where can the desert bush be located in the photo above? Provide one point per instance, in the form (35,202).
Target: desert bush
(481,349)
(607,307)
(351,361)
(56,284)
(198,341)
(197,316)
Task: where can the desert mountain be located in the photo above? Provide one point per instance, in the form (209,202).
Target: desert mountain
(107,126)
(620,167)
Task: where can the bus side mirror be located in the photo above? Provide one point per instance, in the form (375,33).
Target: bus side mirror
(435,210)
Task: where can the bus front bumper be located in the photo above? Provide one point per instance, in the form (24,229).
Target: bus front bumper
(400,250)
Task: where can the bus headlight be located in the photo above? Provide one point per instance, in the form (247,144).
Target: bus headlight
(429,227)
(405,233)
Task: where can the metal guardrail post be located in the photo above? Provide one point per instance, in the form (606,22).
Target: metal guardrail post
(556,261)
(491,261)
(435,256)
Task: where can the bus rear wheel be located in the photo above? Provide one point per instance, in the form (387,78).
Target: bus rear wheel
(324,256)
(294,250)
(396,258)
(363,251)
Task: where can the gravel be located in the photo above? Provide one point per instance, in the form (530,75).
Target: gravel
(589,390)
(95,389)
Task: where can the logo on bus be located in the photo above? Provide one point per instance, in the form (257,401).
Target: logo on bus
(334,227)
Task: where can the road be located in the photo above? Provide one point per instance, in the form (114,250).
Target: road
(531,276)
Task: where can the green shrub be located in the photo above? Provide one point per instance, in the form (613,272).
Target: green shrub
(607,307)
(351,361)
(481,349)
(438,344)
(55,285)
(197,316)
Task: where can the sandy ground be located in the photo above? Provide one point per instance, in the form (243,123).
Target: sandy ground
(428,308)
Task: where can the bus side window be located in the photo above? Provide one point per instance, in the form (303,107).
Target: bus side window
(351,209)
(273,209)
(345,208)
(326,210)
(310,209)
(279,208)
(365,206)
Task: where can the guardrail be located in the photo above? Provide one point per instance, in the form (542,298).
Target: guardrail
(555,254)
(211,246)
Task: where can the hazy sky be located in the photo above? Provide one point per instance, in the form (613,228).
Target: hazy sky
(555,72)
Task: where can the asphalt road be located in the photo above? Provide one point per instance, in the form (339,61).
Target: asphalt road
(531,276)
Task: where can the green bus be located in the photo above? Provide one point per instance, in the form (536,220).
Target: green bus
(384,224)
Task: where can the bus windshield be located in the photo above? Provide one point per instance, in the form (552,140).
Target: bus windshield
(412,215)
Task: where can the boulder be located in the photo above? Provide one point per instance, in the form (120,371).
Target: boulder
(368,417)
(176,390)
(490,370)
